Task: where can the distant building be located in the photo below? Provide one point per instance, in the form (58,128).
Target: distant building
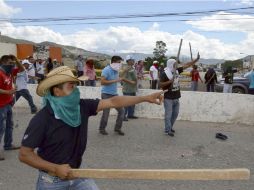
(22,51)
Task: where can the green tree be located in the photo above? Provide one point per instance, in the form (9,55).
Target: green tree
(160,50)
(235,64)
(148,63)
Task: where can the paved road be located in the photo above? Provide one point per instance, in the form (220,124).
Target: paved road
(145,146)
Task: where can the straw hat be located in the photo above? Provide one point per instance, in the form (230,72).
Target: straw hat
(57,76)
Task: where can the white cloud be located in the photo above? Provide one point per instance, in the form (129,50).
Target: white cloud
(125,39)
(247,2)
(225,22)
(7,10)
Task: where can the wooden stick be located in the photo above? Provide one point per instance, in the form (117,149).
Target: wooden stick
(190,52)
(172,174)
(179,51)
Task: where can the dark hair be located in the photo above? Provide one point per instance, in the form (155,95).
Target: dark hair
(4,59)
(49,60)
(13,58)
(195,66)
(55,86)
(116,58)
(90,61)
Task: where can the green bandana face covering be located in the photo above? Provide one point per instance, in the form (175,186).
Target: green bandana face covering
(66,108)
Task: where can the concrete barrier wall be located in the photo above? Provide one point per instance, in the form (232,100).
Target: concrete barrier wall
(194,106)
(7,48)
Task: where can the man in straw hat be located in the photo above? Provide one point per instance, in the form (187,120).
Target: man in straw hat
(59,129)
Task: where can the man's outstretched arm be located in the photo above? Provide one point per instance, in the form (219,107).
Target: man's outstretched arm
(125,101)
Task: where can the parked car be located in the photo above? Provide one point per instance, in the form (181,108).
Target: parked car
(240,85)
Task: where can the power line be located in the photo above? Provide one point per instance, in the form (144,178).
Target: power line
(128,22)
(131,16)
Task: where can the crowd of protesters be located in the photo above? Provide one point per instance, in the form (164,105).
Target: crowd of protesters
(15,75)
(60,116)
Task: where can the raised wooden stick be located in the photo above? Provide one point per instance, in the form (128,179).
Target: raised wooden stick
(172,174)
(190,52)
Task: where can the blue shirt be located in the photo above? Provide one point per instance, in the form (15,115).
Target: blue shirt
(109,74)
(250,76)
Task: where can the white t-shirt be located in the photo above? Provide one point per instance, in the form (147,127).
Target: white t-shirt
(31,71)
(40,68)
(21,80)
(155,72)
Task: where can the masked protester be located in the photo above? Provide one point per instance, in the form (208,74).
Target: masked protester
(109,80)
(170,81)
(89,71)
(129,86)
(59,130)
(7,92)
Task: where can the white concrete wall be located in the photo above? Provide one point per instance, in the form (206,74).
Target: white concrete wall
(7,48)
(194,106)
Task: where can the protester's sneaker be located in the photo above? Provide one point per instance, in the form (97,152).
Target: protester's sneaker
(173,131)
(103,132)
(132,117)
(12,147)
(166,132)
(119,131)
(171,134)
(125,119)
(2,155)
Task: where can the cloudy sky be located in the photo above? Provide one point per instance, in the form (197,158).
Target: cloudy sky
(224,33)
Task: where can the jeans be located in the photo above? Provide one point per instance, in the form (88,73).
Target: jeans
(171,107)
(47,182)
(194,85)
(210,87)
(6,125)
(105,114)
(90,83)
(227,88)
(26,94)
(129,111)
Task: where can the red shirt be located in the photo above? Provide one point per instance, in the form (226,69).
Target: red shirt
(194,75)
(5,84)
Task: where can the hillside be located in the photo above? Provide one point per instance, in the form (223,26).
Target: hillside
(69,53)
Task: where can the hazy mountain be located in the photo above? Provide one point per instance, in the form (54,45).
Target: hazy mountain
(69,53)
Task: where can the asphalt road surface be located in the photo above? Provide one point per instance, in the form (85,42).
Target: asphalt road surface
(146,147)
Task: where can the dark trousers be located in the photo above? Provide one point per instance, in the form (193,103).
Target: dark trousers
(80,73)
(129,111)
(40,76)
(105,114)
(210,87)
(154,84)
(251,91)
(26,94)
(90,83)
